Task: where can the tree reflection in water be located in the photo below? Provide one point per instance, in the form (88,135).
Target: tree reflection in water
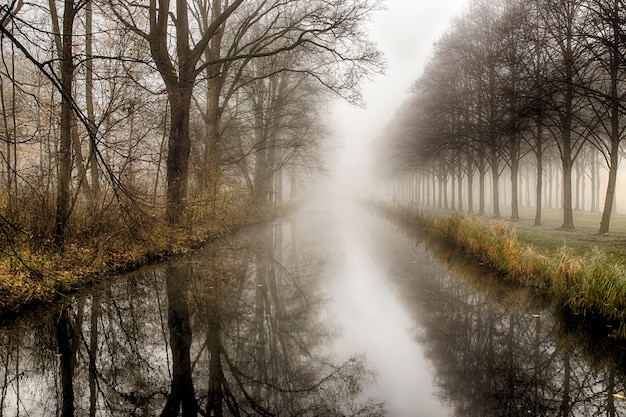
(241,328)
(500,350)
(234,329)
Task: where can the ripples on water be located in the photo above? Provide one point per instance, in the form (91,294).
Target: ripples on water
(326,313)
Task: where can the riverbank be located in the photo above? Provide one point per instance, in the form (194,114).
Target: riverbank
(30,278)
(581,277)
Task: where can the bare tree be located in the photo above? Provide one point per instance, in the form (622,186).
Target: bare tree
(264,28)
(604,35)
(562,20)
(64,40)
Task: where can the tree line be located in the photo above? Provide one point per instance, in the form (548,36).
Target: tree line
(529,90)
(122,112)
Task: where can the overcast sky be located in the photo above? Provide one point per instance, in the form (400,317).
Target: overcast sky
(405,32)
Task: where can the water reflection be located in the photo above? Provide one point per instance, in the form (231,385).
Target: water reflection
(499,350)
(295,318)
(233,330)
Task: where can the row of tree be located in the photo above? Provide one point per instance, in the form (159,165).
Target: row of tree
(511,84)
(115,107)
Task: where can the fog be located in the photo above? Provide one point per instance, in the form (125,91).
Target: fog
(405,32)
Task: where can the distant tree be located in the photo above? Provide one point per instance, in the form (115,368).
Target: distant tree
(481,46)
(514,52)
(284,109)
(536,97)
(562,22)
(604,36)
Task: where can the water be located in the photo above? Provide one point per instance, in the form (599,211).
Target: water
(329,312)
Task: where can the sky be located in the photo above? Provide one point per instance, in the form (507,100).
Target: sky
(405,32)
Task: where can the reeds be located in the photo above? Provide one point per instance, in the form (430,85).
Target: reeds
(591,285)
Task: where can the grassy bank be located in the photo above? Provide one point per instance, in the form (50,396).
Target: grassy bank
(31,276)
(582,277)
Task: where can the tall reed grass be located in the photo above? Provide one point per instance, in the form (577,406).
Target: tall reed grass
(591,285)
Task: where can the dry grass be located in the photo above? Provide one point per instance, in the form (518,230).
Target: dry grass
(584,272)
(30,276)
(549,238)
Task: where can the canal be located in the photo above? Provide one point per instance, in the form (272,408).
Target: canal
(332,311)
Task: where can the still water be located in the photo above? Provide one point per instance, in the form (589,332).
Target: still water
(329,312)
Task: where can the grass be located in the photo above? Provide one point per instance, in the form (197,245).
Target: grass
(549,238)
(585,273)
(31,276)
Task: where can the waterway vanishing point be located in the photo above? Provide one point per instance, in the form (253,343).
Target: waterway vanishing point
(331,311)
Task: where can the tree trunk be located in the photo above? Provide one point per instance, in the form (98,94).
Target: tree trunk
(470,185)
(481,185)
(452,176)
(459,176)
(212,159)
(583,191)
(539,179)
(592,179)
(178,151)
(261,164)
(549,190)
(515,184)
(213,113)
(609,199)
(439,195)
(527,185)
(91,117)
(278,185)
(578,170)
(566,126)
(293,184)
(65,142)
(597,184)
(568,215)
(495,175)
(444,187)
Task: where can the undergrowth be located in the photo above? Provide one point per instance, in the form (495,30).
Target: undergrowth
(592,284)
(31,275)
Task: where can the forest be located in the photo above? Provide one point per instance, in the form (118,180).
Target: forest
(521,103)
(120,116)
